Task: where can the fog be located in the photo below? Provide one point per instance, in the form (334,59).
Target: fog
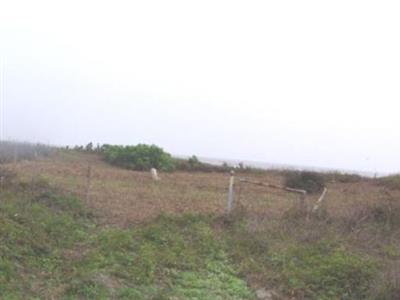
(311,83)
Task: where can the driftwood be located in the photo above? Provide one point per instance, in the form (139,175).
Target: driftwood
(274,186)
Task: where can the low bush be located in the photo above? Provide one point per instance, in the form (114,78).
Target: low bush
(312,182)
(140,157)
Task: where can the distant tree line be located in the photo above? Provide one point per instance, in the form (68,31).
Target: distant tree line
(15,151)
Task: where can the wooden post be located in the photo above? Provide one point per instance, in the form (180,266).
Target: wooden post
(229,205)
(88,182)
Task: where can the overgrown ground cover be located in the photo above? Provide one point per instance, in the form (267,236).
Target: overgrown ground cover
(171,240)
(52,248)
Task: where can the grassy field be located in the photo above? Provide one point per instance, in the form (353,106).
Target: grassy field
(132,238)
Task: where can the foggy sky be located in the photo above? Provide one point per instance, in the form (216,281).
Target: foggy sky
(296,82)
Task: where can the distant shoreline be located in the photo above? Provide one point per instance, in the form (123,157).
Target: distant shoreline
(277,166)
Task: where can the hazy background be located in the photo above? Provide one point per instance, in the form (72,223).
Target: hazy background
(297,82)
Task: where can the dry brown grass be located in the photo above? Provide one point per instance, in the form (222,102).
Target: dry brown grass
(121,197)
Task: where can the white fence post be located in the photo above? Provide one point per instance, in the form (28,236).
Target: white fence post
(154,174)
(229,205)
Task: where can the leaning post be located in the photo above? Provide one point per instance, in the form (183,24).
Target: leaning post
(229,205)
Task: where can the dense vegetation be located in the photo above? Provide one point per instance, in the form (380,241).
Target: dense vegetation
(312,182)
(140,157)
(143,157)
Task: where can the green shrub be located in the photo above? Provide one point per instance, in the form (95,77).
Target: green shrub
(312,182)
(140,157)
